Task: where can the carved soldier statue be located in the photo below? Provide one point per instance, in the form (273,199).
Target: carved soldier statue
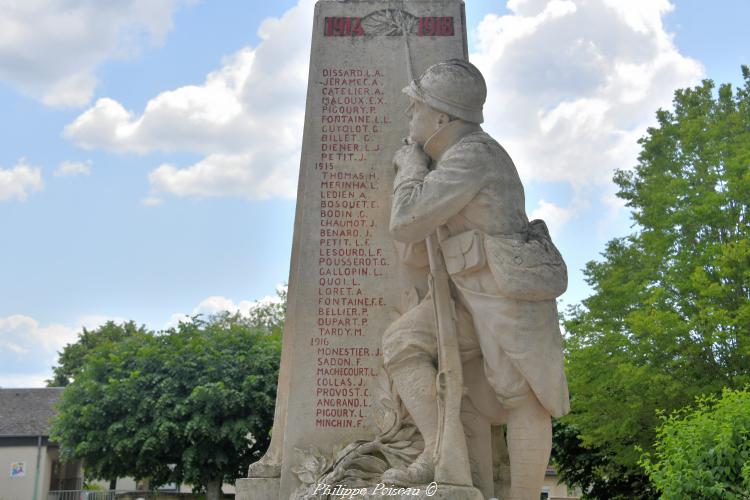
(454,179)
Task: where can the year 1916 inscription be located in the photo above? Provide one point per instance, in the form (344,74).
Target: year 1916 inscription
(351,260)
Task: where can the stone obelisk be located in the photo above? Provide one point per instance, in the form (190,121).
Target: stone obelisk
(346,280)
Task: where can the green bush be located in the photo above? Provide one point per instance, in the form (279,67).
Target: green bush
(704,451)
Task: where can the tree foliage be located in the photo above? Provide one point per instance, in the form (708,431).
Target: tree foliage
(669,317)
(704,451)
(200,396)
(71,359)
(592,470)
(268,315)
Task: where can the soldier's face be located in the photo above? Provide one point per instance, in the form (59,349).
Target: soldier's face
(423,121)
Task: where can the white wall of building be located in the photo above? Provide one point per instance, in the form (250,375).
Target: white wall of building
(22,488)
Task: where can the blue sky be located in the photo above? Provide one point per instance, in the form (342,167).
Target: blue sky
(150,149)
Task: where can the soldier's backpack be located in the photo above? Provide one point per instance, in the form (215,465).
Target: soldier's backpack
(526,266)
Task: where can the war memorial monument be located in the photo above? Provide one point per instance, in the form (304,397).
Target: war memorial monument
(422,356)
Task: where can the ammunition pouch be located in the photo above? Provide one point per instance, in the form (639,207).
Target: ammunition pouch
(526,266)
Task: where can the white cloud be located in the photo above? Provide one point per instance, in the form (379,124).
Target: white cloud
(71,168)
(70,91)
(246,118)
(613,215)
(554,216)
(15,381)
(230,175)
(29,349)
(94,321)
(17,182)
(573,84)
(151,201)
(51,49)
(217,304)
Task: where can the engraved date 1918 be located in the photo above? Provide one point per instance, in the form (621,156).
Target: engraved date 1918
(353,26)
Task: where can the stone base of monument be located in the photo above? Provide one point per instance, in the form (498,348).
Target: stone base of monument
(262,488)
(425,492)
(257,488)
(442,492)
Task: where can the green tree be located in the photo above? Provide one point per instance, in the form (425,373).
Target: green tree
(591,469)
(704,451)
(200,396)
(71,359)
(669,317)
(269,314)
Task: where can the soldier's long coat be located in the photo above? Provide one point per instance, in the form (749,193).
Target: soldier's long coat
(474,185)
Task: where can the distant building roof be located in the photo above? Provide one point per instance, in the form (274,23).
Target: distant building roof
(27,412)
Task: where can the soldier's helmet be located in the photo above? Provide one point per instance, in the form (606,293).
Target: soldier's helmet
(454,86)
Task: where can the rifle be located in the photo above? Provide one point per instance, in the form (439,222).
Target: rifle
(451,453)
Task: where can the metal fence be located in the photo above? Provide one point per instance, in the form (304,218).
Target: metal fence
(120,495)
(66,484)
(81,495)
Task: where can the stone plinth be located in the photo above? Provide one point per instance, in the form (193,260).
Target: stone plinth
(346,281)
(257,488)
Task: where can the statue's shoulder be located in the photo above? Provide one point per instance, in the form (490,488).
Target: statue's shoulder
(480,143)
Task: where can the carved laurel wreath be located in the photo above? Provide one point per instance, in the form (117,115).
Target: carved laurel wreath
(362,463)
(390,22)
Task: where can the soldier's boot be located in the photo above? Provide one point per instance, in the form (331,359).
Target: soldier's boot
(529,447)
(415,383)
(421,471)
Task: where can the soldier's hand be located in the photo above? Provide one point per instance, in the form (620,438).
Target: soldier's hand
(411,155)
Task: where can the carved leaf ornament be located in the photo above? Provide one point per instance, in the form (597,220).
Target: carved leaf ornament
(390,22)
(362,463)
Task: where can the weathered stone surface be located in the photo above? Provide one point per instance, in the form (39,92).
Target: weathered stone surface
(257,488)
(496,273)
(373,370)
(346,280)
(381,491)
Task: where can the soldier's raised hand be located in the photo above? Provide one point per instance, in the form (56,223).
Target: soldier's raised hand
(410,156)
